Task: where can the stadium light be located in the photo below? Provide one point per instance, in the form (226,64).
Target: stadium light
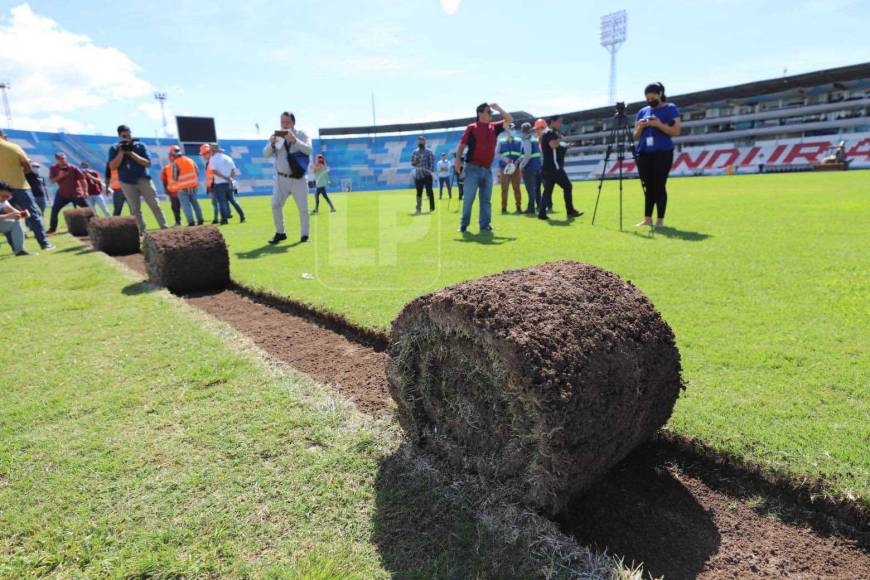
(161,98)
(614,28)
(5,86)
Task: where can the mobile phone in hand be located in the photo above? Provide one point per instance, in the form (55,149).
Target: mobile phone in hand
(281,133)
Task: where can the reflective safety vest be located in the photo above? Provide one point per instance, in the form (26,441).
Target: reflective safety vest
(115,181)
(166,178)
(209,177)
(509,150)
(183,175)
(534,164)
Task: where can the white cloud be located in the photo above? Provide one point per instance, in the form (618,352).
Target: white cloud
(450,6)
(152,111)
(54,123)
(54,71)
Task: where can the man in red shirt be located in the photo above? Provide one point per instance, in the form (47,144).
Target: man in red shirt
(72,188)
(480,139)
(95,197)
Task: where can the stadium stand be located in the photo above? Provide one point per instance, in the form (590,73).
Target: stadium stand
(785,124)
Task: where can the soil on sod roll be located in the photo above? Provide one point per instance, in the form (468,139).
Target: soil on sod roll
(77,220)
(116,236)
(541,378)
(187,259)
(679,516)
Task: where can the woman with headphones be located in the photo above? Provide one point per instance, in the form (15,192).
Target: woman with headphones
(655,125)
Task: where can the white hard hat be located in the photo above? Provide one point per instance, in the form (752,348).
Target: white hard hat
(510,168)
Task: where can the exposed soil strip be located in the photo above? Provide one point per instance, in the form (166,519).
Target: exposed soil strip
(681,513)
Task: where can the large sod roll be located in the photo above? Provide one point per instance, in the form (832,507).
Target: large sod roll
(187,259)
(538,379)
(77,220)
(116,236)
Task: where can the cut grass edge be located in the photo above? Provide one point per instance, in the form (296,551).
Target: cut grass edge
(511,531)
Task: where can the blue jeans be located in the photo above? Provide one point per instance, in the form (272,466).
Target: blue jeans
(477,179)
(532,181)
(221,192)
(40,201)
(231,197)
(23,199)
(190,205)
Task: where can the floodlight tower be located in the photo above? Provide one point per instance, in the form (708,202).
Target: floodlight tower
(5,86)
(161,98)
(613,33)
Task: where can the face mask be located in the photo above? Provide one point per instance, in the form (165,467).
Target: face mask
(654,103)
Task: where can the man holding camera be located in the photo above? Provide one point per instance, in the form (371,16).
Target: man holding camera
(480,139)
(291,151)
(72,188)
(10,221)
(130,157)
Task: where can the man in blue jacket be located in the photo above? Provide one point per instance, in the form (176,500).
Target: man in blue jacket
(530,166)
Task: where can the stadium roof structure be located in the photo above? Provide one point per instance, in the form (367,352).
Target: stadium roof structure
(519,116)
(744,91)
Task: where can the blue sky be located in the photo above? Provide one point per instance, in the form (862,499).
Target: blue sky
(87,66)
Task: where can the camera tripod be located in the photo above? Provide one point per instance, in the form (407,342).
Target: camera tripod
(620,134)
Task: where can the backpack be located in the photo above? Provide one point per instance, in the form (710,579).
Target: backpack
(298,162)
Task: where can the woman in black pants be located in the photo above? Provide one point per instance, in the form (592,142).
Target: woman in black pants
(655,125)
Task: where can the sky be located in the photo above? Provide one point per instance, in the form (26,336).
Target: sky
(85,66)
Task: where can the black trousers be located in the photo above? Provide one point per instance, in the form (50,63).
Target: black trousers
(427,183)
(60,203)
(653,169)
(552,178)
(317,193)
(175,203)
(118,201)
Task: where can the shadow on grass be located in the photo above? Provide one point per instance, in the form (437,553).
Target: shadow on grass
(641,513)
(425,529)
(266,250)
(669,232)
(484,238)
(75,250)
(139,288)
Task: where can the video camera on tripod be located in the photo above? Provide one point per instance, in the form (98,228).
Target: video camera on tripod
(620,135)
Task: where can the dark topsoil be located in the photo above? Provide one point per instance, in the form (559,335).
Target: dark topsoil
(680,515)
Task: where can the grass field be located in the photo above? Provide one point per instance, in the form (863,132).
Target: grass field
(764,280)
(139,438)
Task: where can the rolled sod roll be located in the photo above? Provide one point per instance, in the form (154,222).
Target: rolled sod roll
(116,236)
(77,220)
(539,379)
(187,259)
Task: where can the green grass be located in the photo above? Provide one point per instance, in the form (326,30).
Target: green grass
(765,282)
(139,438)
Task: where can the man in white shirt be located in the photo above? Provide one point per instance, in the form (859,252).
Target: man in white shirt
(291,151)
(10,221)
(443,168)
(222,168)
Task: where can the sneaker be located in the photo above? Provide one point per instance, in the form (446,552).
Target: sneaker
(224,222)
(332,210)
(487,229)
(462,229)
(303,239)
(543,216)
(242,220)
(504,210)
(199,223)
(278,238)
(214,222)
(574,213)
(417,212)
(177,224)
(48,246)
(51,231)
(25,253)
(191,224)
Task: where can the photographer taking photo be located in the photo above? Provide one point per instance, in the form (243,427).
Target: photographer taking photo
(131,159)
(654,126)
